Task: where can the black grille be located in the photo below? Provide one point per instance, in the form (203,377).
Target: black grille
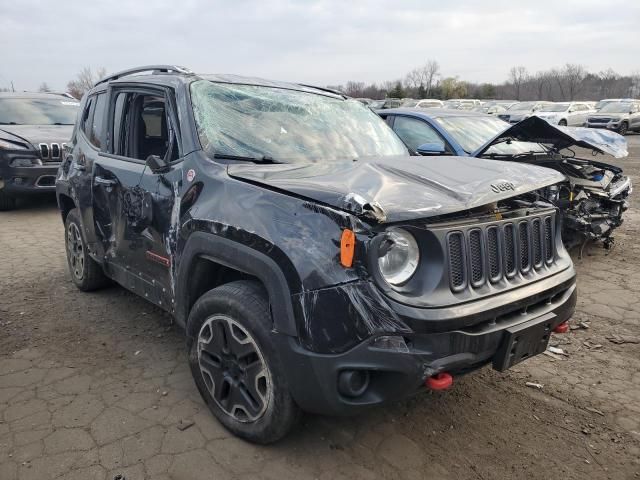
(498,251)
(523,246)
(548,240)
(493,253)
(509,250)
(44,151)
(536,237)
(476,257)
(599,120)
(456,260)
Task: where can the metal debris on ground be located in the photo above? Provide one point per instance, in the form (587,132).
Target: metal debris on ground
(621,339)
(184,424)
(539,386)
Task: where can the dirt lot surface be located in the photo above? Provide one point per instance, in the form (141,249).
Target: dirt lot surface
(96,385)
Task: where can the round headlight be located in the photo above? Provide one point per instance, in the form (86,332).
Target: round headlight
(398,256)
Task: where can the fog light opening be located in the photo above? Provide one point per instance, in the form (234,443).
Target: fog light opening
(353,383)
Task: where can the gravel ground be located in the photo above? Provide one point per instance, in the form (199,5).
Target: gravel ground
(96,385)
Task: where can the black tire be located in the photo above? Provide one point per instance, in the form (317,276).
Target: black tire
(254,406)
(85,272)
(6,202)
(562,123)
(623,128)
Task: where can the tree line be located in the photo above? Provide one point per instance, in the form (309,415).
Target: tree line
(569,82)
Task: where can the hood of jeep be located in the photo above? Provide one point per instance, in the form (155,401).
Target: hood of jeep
(537,130)
(391,189)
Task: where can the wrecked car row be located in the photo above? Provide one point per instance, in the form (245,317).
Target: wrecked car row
(592,197)
(314,264)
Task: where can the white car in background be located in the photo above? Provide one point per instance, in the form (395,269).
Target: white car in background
(424,103)
(518,112)
(572,114)
(462,103)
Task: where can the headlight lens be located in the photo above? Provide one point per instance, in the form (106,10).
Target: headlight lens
(398,256)
(11,146)
(25,162)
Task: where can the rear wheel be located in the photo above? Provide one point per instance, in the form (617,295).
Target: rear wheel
(622,129)
(6,202)
(235,365)
(86,273)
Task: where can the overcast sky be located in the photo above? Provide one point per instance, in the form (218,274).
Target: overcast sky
(321,42)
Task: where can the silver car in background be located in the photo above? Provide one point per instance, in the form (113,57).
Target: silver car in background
(518,112)
(620,116)
(573,114)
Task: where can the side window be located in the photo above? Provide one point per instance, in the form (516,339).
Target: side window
(87,116)
(142,127)
(96,133)
(415,132)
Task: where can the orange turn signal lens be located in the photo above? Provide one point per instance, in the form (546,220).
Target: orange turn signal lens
(347,247)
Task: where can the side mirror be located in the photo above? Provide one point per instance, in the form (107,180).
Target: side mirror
(431,149)
(157,164)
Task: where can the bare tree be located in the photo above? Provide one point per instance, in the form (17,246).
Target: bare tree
(574,75)
(423,79)
(354,89)
(44,87)
(608,79)
(84,81)
(517,76)
(541,81)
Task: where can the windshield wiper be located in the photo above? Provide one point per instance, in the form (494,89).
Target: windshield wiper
(9,123)
(59,123)
(262,159)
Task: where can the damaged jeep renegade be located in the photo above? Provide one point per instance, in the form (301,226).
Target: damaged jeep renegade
(312,262)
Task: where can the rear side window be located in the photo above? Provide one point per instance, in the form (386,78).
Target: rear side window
(96,136)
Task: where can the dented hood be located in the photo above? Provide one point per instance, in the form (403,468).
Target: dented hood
(392,189)
(537,130)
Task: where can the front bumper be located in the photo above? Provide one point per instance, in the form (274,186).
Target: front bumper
(397,368)
(608,125)
(17,181)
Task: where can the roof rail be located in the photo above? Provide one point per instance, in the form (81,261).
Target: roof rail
(146,68)
(325,89)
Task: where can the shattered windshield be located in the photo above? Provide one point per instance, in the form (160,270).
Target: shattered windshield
(287,125)
(38,111)
(473,132)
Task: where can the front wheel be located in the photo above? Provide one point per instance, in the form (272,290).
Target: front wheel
(622,129)
(236,366)
(562,123)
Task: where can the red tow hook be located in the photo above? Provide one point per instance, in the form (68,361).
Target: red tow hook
(562,328)
(439,381)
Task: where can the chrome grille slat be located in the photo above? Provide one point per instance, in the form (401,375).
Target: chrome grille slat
(497,252)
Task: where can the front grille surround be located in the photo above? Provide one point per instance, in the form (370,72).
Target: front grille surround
(484,254)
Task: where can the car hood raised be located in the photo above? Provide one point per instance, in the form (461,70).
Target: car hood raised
(35,134)
(537,130)
(392,189)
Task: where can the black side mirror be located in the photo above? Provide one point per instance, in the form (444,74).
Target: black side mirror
(157,164)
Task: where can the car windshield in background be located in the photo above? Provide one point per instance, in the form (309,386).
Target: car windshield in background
(38,111)
(472,132)
(287,125)
(556,107)
(617,107)
(522,106)
(410,103)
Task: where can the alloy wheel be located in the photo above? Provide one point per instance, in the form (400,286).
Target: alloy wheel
(75,251)
(233,369)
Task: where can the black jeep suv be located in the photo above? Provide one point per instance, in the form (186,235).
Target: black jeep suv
(312,262)
(34,128)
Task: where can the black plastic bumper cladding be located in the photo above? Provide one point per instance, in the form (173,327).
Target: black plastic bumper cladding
(394,374)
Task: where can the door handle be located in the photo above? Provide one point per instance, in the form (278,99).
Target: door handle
(104,181)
